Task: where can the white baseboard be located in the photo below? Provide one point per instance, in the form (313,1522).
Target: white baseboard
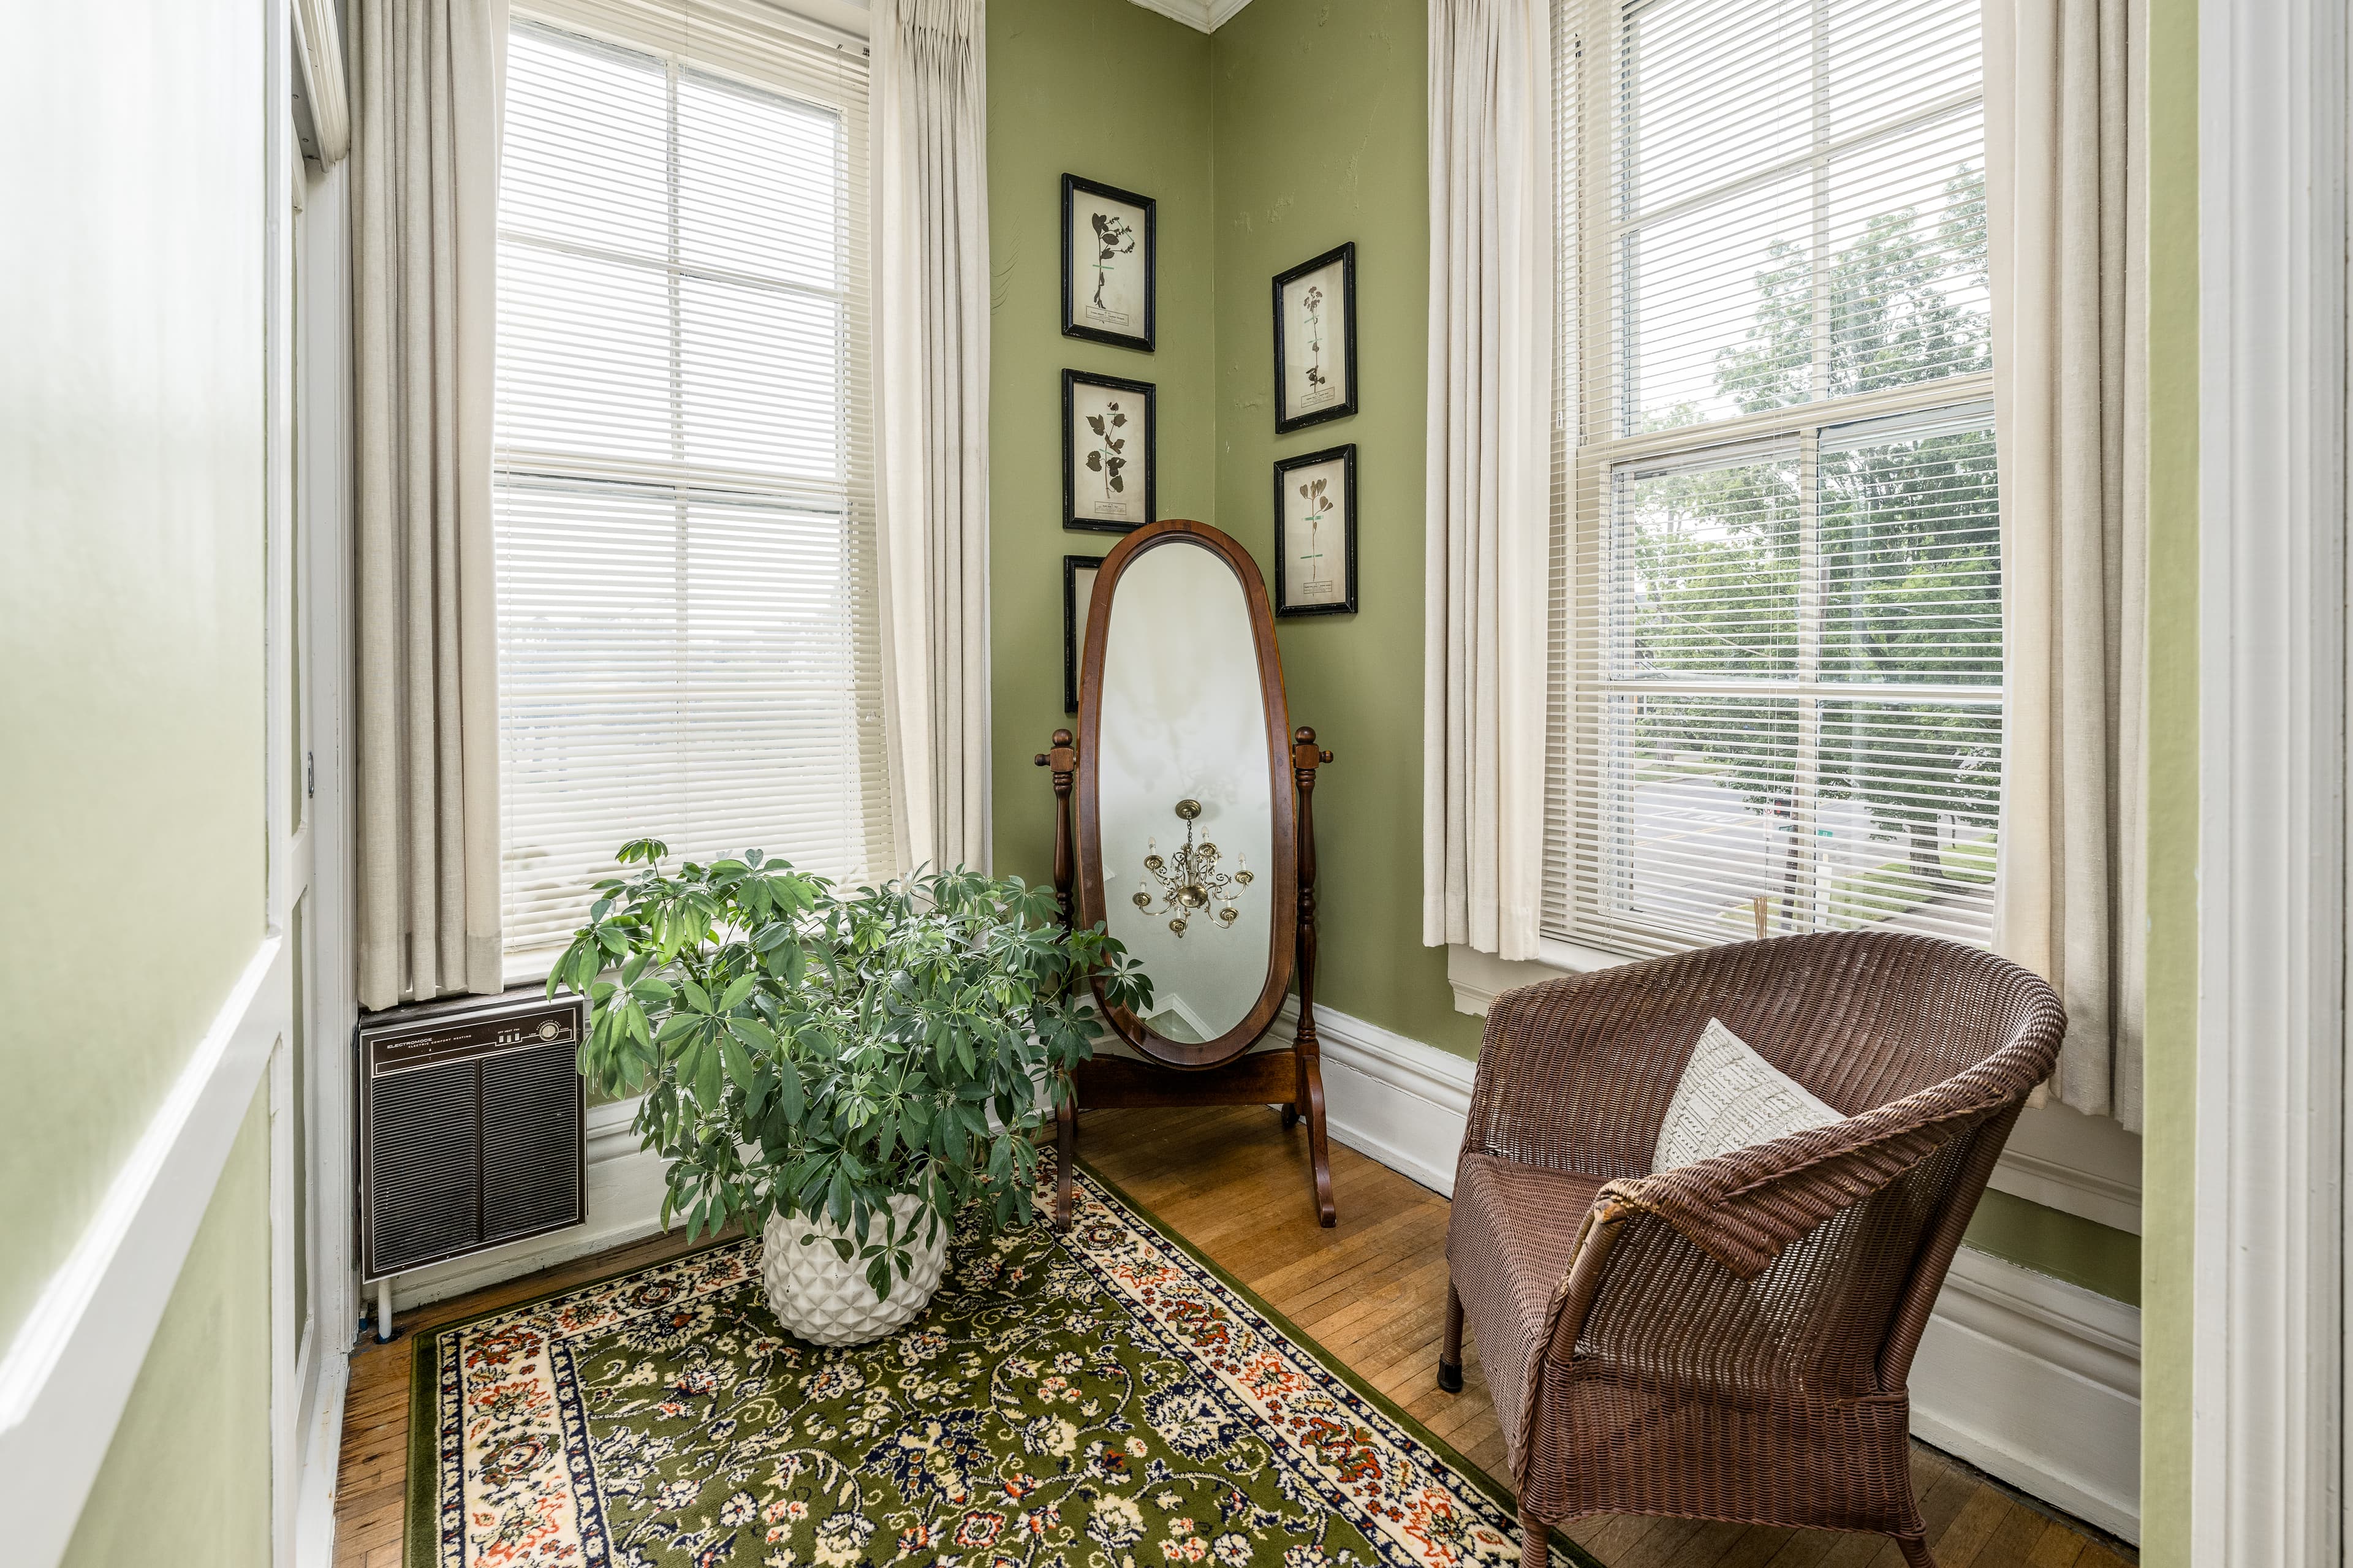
(2038,1382)
(1389,1096)
(2028,1378)
(68,1373)
(322,1442)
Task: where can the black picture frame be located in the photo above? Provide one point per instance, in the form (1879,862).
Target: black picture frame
(1071,381)
(1286,421)
(1283,468)
(1073,326)
(1074,631)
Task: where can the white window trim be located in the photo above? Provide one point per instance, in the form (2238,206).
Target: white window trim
(637,28)
(2269,1463)
(1586,465)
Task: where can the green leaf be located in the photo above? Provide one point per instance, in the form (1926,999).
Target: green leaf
(788,1091)
(837,1202)
(739,1064)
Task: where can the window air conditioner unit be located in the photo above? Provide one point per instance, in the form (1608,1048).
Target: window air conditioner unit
(471,1131)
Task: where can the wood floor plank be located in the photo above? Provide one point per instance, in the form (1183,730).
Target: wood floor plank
(2059,1547)
(1709,1544)
(1973,1522)
(1371,1291)
(2011,1541)
(1852,1550)
(1754,1547)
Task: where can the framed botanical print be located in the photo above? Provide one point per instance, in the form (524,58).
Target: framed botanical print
(1315,339)
(1108,468)
(1078,596)
(1108,262)
(1316,533)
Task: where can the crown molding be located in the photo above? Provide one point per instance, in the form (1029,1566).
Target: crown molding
(1201,15)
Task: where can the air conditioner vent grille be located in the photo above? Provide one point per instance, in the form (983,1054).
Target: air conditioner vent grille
(531,1171)
(471,1128)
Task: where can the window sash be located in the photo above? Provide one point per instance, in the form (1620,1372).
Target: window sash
(1591,751)
(722,686)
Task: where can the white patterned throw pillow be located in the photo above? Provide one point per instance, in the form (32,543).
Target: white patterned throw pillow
(1730,1097)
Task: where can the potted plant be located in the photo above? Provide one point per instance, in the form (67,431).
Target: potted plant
(842,1071)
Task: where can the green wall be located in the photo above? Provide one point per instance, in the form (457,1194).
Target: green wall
(2080,1251)
(1322,132)
(132,413)
(198,1416)
(1053,109)
(131,612)
(1311,118)
(2170,1074)
(1301,123)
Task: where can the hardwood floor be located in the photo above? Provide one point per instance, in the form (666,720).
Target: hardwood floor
(1372,1291)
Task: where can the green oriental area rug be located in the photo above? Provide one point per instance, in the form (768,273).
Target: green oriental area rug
(1104,1399)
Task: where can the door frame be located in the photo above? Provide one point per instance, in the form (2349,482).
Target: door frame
(2267,1367)
(311,879)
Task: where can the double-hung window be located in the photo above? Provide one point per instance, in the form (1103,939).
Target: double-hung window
(688,614)
(1776,614)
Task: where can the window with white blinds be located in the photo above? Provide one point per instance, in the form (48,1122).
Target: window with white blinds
(1775,618)
(689,639)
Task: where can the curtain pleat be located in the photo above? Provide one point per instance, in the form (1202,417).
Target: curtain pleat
(426,94)
(930,240)
(1489,455)
(2064,187)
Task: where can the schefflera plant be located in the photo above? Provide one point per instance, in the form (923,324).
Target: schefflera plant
(810,1051)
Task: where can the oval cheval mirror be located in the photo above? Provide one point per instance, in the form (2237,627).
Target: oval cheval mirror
(1193,800)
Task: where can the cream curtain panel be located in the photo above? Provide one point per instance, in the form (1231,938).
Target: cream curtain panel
(931,270)
(2064,187)
(1489,472)
(427,84)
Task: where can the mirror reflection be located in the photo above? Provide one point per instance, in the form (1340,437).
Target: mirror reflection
(1184,798)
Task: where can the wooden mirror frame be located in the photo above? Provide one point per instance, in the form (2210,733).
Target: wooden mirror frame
(1282,938)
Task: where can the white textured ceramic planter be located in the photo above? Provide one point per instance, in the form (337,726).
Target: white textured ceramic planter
(818,1297)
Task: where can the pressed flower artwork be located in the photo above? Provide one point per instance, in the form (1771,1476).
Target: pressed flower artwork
(1107,263)
(1316,533)
(1107,441)
(1078,617)
(1315,339)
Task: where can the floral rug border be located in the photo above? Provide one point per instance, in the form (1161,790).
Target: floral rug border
(434,1373)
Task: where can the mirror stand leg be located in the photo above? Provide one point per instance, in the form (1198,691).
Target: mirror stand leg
(1298,1092)
(1066,1155)
(1306,757)
(1319,1152)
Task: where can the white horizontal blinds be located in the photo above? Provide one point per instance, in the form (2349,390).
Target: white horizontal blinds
(688,608)
(1776,649)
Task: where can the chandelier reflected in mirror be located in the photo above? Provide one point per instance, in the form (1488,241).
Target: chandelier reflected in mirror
(1190,880)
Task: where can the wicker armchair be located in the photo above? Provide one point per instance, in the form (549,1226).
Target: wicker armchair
(1730,1339)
